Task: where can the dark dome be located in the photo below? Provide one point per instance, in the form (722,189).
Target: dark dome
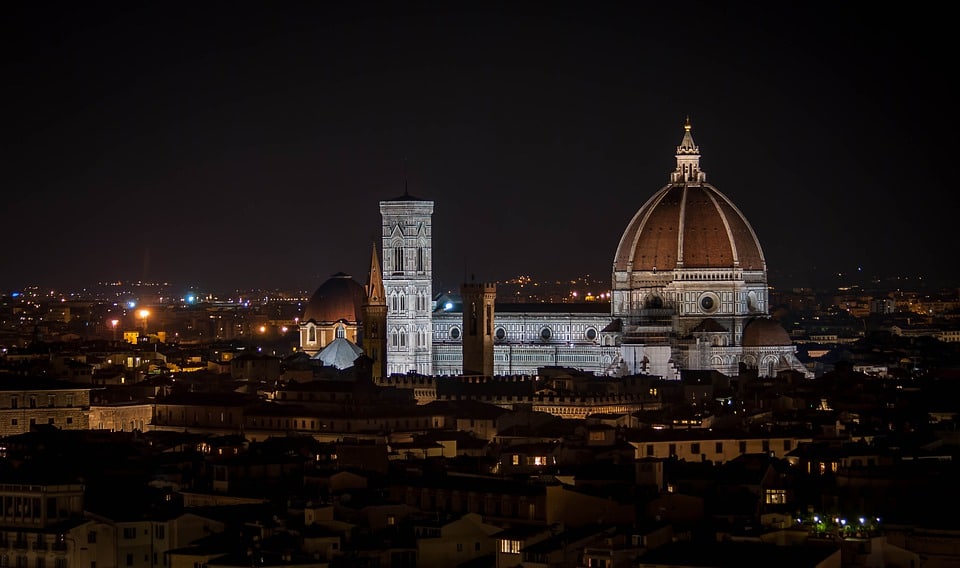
(689,225)
(764,332)
(339,298)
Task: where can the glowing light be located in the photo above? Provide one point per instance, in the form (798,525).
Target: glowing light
(263,329)
(131,304)
(448,306)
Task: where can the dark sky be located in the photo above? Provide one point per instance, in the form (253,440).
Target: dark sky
(236,145)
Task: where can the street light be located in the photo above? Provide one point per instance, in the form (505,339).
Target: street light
(143,314)
(113,324)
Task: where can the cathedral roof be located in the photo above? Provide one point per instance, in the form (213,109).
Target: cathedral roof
(765,332)
(709,325)
(339,298)
(340,353)
(688,224)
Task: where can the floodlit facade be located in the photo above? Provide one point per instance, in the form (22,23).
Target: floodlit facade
(689,291)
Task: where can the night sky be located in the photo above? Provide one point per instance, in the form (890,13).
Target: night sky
(239,145)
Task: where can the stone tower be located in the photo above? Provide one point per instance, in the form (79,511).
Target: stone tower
(375,320)
(408,283)
(478,308)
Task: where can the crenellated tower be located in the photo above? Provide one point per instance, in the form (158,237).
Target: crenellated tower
(478,313)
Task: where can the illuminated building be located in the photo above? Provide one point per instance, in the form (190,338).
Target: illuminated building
(689,291)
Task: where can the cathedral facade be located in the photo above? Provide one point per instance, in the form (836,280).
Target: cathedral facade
(689,291)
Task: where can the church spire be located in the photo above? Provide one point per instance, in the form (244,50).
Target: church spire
(688,159)
(375,293)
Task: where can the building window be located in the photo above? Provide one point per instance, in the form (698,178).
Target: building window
(51,401)
(510,546)
(129,533)
(719,447)
(459,549)
(398,259)
(41,562)
(786,445)
(14,422)
(311,334)
(695,448)
(69,400)
(14,402)
(341,333)
(91,537)
(129,559)
(743,447)
(776,497)
(673,450)
(160,532)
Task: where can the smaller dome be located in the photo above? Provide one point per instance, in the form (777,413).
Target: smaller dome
(765,332)
(339,298)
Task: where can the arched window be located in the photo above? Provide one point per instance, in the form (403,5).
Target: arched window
(420,259)
(341,332)
(398,258)
(311,333)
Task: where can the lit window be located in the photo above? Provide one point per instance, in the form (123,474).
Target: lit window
(776,497)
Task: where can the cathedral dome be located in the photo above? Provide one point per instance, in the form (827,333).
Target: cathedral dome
(339,298)
(765,332)
(688,224)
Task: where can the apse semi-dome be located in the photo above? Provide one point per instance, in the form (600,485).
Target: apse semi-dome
(765,332)
(688,224)
(339,298)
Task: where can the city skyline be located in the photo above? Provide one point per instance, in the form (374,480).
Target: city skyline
(245,145)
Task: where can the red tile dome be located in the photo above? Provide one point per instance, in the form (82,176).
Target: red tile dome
(339,298)
(765,332)
(688,225)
